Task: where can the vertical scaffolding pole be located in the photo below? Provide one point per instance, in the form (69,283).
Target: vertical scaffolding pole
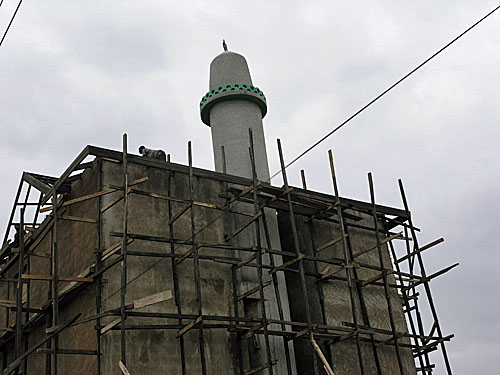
(406,302)
(28,283)
(424,277)
(259,259)
(196,264)
(362,304)
(55,281)
(348,265)
(411,266)
(384,276)
(316,268)
(175,270)
(98,285)
(274,277)
(298,254)
(234,277)
(123,290)
(19,294)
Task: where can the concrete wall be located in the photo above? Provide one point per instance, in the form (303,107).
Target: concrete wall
(158,350)
(337,302)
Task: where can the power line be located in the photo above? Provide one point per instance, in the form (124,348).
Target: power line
(324,138)
(384,92)
(11,20)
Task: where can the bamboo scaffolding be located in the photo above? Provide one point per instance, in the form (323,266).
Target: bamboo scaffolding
(289,200)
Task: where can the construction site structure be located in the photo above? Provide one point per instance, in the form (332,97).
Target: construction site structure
(142,256)
(136,265)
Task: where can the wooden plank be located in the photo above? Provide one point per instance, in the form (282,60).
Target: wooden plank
(79,219)
(94,195)
(331,243)
(244,192)
(375,278)
(132,183)
(304,332)
(252,331)
(381,243)
(7,303)
(326,365)
(179,214)
(32,253)
(67,351)
(429,245)
(186,255)
(155,195)
(279,196)
(390,339)
(249,259)
(259,369)
(430,346)
(61,278)
(207,205)
(323,211)
(348,336)
(109,326)
(189,326)
(328,274)
(111,204)
(253,290)
(138,181)
(255,217)
(123,368)
(153,299)
(49,330)
(113,249)
(429,278)
(287,264)
(81,199)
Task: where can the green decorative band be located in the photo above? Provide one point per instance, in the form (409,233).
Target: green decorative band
(232,92)
(232,87)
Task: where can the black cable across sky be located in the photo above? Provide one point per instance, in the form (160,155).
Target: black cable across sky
(383,93)
(11,20)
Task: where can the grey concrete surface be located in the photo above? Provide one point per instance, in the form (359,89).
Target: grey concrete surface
(231,119)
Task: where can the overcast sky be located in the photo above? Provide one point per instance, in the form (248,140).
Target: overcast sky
(74,73)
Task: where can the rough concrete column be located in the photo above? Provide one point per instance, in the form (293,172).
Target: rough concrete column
(230,108)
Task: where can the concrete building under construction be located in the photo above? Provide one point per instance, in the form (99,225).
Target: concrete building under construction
(136,265)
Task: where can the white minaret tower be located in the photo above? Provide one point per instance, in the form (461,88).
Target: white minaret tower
(230,108)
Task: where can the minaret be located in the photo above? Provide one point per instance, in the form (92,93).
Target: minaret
(230,108)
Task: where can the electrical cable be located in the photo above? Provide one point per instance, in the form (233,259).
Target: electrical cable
(328,135)
(385,92)
(10,23)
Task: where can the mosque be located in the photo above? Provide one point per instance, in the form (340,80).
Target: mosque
(132,264)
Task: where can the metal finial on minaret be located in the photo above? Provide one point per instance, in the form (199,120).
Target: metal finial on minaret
(224,45)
